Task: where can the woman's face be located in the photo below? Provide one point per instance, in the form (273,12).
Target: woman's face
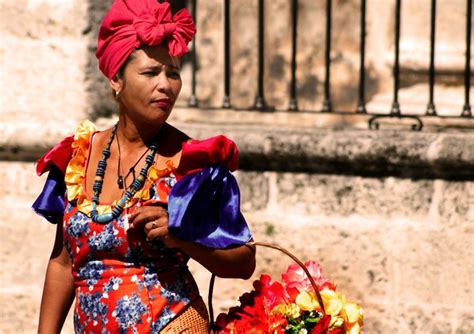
(150,85)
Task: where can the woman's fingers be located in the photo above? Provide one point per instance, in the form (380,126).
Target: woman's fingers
(154,221)
(158,233)
(154,224)
(143,215)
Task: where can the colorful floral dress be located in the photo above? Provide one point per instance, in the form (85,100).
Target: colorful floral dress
(123,283)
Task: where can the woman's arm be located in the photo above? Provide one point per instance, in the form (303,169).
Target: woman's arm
(58,291)
(237,262)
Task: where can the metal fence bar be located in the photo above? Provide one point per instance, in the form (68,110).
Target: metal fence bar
(226,103)
(260,103)
(467,71)
(327,105)
(396,67)
(193,101)
(293,106)
(361,102)
(431,109)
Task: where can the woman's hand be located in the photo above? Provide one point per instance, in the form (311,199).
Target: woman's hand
(153,219)
(235,262)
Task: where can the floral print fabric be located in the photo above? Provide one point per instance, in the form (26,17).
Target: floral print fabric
(123,283)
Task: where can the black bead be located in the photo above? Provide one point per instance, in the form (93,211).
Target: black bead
(120,182)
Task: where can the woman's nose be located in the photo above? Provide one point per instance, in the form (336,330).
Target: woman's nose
(163,84)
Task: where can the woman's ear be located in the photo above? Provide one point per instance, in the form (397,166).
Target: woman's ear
(116,84)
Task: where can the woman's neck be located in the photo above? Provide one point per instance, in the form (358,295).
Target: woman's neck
(136,136)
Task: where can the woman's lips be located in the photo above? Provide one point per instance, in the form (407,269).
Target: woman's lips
(164,104)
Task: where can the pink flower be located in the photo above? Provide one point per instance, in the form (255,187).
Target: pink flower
(295,277)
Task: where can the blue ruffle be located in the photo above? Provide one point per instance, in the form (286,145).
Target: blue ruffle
(51,202)
(204,207)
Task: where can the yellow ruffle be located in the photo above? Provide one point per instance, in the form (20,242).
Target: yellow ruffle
(76,170)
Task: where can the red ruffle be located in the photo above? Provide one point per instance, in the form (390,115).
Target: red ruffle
(196,155)
(59,155)
(199,154)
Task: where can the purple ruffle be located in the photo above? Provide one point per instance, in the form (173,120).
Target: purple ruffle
(204,207)
(51,202)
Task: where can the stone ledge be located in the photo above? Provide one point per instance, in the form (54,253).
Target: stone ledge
(352,152)
(286,147)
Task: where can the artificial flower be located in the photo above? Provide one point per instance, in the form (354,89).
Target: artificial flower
(295,277)
(307,301)
(292,307)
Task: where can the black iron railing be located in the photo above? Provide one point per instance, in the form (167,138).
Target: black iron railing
(467,71)
(396,110)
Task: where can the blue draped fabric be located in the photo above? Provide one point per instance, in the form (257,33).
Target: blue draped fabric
(51,202)
(204,207)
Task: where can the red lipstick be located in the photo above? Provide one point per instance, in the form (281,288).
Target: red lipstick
(164,104)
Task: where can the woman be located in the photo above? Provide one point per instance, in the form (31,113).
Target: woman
(135,202)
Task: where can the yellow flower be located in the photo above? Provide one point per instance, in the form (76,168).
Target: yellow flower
(291,311)
(354,316)
(333,302)
(336,322)
(307,301)
(356,329)
(352,312)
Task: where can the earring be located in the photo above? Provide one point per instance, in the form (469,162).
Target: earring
(117,93)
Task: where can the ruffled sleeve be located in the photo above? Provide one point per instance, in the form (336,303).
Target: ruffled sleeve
(204,205)
(199,154)
(51,202)
(59,156)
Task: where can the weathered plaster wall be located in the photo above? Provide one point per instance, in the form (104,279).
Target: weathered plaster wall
(43,59)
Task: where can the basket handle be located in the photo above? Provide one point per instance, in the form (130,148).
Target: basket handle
(281,249)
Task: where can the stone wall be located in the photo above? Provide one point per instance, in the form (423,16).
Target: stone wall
(400,245)
(394,232)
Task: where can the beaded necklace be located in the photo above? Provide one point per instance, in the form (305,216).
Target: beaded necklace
(121,179)
(136,185)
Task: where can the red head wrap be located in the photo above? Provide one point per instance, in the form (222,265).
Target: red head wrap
(132,23)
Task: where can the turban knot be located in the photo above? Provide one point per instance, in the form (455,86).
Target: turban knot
(132,23)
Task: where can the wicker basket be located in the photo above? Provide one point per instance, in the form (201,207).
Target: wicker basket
(193,320)
(213,329)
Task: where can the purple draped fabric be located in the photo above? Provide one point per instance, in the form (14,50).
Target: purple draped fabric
(51,202)
(204,207)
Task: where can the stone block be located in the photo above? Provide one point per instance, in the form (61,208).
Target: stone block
(344,195)
(456,206)
(50,86)
(450,42)
(254,190)
(467,324)
(26,245)
(42,19)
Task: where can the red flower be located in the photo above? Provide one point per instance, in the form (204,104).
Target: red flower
(254,313)
(322,325)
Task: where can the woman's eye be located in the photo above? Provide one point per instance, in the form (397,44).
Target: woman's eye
(150,73)
(174,74)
